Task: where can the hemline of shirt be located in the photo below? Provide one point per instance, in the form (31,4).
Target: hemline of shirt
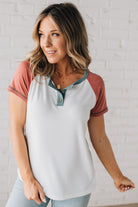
(69,196)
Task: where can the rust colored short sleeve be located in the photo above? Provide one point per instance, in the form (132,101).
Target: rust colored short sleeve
(98,86)
(21,80)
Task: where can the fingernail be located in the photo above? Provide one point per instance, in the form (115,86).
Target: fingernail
(44,200)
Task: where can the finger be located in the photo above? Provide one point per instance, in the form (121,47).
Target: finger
(122,187)
(132,184)
(131,187)
(43,198)
(37,199)
(125,188)
(42,195)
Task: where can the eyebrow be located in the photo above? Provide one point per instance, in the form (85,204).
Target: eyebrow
(50,31)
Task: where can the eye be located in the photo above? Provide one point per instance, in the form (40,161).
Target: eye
(40,34)
(55,34)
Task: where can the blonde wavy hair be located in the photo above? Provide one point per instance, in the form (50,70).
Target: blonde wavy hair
(71,24)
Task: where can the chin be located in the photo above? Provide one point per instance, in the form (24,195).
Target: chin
(56,59)
(52,61)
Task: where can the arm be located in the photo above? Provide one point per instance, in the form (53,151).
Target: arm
(105,153)
(17,116)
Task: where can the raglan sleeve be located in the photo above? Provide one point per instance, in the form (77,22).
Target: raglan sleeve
(101,103)
(21,80)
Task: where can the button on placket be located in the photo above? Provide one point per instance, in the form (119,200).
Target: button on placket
(59,99)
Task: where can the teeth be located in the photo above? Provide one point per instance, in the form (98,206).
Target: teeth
(51,52)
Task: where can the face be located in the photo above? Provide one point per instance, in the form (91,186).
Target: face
(52,41)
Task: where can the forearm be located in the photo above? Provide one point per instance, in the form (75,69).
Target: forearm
(105,153)
(21,153)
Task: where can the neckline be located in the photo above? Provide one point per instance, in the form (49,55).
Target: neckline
(51,83)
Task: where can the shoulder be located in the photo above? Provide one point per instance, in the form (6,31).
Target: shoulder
(22,75)
(95,79)
(24,70)
(21,80)
(97,85)
(24,66)
(25,63)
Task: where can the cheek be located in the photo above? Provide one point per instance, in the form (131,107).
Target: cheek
(63,47)
(42,42)
(60,44)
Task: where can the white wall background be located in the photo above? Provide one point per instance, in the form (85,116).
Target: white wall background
(112,27)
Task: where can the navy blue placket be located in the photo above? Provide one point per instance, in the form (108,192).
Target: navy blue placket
(61,93)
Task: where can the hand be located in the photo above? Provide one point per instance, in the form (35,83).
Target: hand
(123,184)
(33,191)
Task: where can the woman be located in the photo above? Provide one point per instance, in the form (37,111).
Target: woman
(56,108)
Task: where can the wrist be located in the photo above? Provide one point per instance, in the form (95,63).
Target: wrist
(27,177)
(117,177)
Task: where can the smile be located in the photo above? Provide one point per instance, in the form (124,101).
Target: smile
(51,52)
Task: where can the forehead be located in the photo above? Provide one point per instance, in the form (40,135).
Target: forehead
(48,24)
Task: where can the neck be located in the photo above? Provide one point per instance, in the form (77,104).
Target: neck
(64,68)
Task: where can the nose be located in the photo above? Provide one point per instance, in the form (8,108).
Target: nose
(47,41)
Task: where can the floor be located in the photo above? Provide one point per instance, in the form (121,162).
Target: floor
(130,205)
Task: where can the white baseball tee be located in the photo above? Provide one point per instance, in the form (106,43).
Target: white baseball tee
(56,130)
